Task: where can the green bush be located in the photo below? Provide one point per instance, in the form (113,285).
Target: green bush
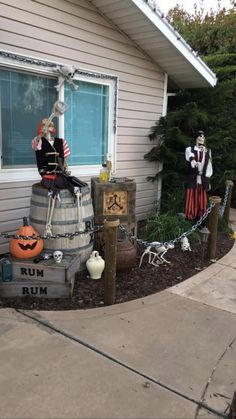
(166,227)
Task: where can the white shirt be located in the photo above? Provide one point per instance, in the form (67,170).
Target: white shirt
(198,164)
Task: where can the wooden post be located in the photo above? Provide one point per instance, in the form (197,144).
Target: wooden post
(110,237)
(213,227)
(229,184)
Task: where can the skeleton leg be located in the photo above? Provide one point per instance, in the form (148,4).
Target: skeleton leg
(51,205)
(150,254)
(153,262)
(48,212)
(146,251)
(141,260)
(151,257)
(79,210)
(162,257)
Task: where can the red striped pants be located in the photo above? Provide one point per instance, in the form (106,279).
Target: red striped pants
(195,203)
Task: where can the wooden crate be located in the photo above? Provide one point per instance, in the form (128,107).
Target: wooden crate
(114,200)
(45,279)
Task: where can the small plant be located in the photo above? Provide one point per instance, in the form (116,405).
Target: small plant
(223,225)
(166,227)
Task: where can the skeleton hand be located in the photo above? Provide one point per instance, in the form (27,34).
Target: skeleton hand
(194,164)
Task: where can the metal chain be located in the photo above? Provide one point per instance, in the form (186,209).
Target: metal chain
(88,230)
(222,208)
(171,242)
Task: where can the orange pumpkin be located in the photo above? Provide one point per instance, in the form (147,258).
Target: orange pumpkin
(24,249)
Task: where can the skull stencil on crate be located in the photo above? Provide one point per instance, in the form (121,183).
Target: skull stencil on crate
(66,73)
(57,256)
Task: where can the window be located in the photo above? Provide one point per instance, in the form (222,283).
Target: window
(28,95)
(86,123)
(25,99)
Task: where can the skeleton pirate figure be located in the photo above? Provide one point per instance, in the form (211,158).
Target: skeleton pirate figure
(198,179)
(51,153)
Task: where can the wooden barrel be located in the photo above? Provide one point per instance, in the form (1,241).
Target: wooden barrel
(65,220)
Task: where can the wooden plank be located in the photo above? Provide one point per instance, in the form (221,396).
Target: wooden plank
(136,148)
(131,156)
(66,5)
(135,173)
(46,269)
(110,231)
(133,140)
(13,214)
(139,164)
(146,201)
(142,106)
(36,289)
(149,195)
(15,203)
(135,123)
(19,192)
(156,90)
(9,227)
(137,114)
(12,185)
(139,132)
(145,211)
(4,247)
(136,97)
(143,80)
(146,186)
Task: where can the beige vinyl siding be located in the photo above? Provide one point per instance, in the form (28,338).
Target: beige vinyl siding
(73,32)
(14,205)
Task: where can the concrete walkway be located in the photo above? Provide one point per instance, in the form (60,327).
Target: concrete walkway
(170,355)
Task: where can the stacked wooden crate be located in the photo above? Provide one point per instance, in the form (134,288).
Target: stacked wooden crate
(45,279)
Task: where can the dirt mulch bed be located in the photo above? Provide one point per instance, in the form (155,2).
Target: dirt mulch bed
(137,283)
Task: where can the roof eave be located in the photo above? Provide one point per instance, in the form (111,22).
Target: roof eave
(178,42)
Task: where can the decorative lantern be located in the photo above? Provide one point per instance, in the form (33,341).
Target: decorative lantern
(204,233)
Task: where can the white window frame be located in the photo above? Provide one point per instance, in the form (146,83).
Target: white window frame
(31,174)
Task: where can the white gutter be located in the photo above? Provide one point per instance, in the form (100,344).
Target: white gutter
(162,24)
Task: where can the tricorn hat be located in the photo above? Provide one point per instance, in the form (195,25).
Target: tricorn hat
(200,134)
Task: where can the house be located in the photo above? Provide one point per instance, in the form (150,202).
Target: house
(125,53)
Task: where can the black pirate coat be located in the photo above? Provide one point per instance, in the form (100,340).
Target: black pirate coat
(193,173)
(50,159)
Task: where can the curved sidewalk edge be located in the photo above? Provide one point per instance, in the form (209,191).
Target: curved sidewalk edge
(215,285)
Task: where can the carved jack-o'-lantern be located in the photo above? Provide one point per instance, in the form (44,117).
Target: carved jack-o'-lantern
(24,249)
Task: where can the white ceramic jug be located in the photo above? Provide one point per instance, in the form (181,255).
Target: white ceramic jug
(95,265)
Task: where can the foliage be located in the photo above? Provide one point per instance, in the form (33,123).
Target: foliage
(173,201)
(223,225)
(212,110)
(211,33)
(166,227)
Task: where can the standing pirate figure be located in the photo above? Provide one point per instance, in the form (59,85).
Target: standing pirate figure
(198,179)
(51,153)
